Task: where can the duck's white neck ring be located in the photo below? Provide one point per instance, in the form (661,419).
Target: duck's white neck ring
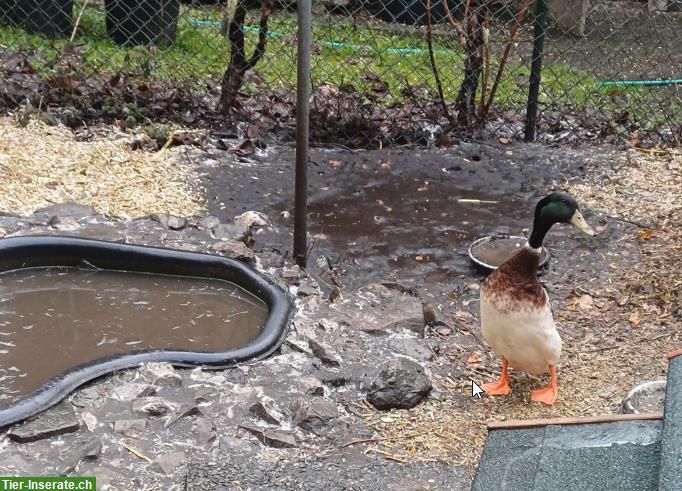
(536,250)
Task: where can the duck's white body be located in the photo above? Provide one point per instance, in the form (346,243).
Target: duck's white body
(522,333)
(516,316)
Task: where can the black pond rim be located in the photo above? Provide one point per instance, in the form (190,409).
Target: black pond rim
(42,251)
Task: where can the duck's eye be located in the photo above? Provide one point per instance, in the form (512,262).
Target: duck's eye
(564,201)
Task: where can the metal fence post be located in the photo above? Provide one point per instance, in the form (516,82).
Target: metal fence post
(541,8)
(302,130)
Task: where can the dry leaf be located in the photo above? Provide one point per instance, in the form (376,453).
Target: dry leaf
(503,140)
(634,319)
(473,359)
(646,234)
(585,301)
(335,163)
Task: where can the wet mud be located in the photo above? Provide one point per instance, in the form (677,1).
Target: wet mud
(407,215)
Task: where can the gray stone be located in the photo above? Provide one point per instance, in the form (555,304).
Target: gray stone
(266,409)
(209,222)
(130,427)
(168,462)
(183,412)
(89,397)
(324,353)
(227,231)
(234,249)
(69,209)
(401,384)
(65,224)
(570,15)
(251,219)
(205,430)
(161,374)
(236,445)
(314,415)
(376,309)
(310,386)
(132,391)
(414,348)
(292,274)
(58,420)
(89,447)
(271,438)
(309,287)
(153,406)
(170,221)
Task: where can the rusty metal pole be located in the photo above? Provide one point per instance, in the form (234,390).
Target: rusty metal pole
(541,8)
(302,130)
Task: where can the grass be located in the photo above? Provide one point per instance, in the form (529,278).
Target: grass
(343,54)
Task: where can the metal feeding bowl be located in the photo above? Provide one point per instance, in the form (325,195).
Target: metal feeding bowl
(491,251)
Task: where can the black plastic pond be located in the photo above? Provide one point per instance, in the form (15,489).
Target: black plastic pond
(72,310)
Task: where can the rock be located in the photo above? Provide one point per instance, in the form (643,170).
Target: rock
(271,438)
(170,221)
(266,409)
(235,376)
(132,391)
(414,348)
(314,415)
(89,420)
(308,287)
(199,375)
(252,219)
(205,430)
(204,394)
(310,386)
(227,231)
(401,384)
(433,316)
(291,275)
(130,427)
(153,406)
(209,222)
(69,209)
(88,397)
(58,420)
(234,249)
(65,224)
(168,462)
(89,447)
(183,411)
(376,309)
(324,353)
(161,374)
(236,445)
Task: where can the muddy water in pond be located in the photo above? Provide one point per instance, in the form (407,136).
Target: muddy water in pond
(52,319)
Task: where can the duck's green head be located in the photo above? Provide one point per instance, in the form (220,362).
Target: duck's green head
(556,208)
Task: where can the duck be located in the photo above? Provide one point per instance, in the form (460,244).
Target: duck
(515,309)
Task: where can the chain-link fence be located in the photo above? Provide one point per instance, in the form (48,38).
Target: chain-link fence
(392,72)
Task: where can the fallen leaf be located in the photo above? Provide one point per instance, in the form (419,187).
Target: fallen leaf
(473,359)
(503,140)
(634,319)
(646,234)
(585,301)
(335,163)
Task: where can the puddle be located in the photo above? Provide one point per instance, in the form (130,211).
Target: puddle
(52,319)
(385,214)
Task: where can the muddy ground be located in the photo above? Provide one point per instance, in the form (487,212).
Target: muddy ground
(388,253)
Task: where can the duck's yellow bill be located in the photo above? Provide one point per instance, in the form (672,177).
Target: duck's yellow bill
(579,222)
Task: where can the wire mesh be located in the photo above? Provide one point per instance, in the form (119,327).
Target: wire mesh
(383,73)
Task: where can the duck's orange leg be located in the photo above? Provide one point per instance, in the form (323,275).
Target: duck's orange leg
(501,387)
(548,394)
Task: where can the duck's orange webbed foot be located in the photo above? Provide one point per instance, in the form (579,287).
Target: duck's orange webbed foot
(501,387)
(547,395)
